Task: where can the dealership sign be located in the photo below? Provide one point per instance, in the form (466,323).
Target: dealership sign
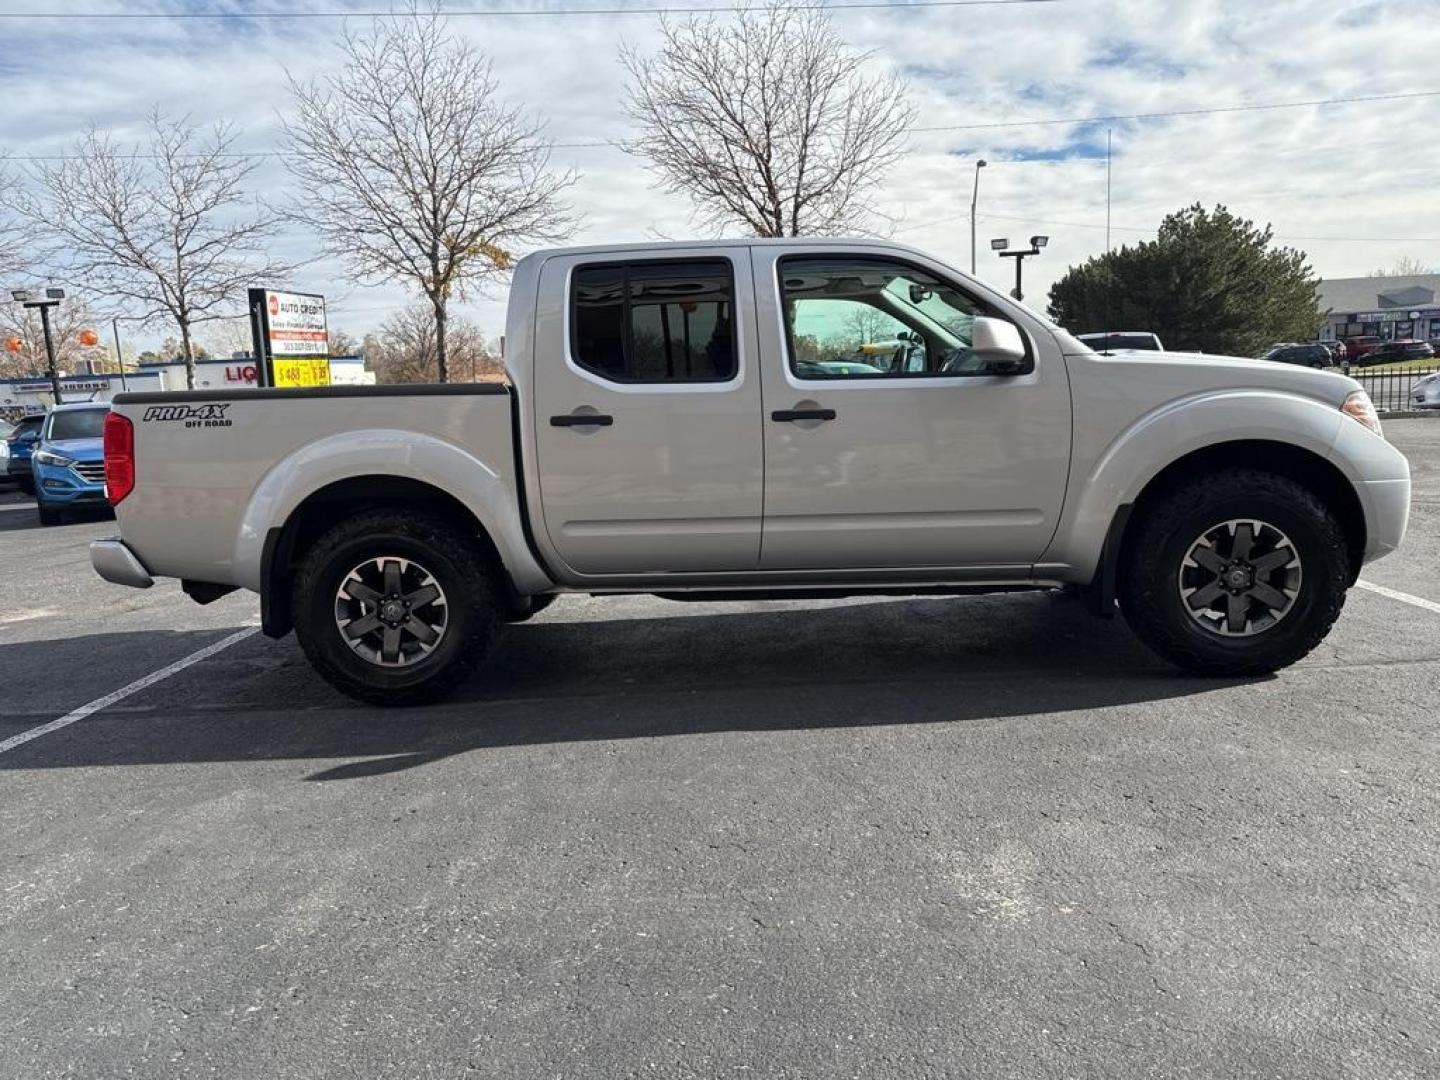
(291,337)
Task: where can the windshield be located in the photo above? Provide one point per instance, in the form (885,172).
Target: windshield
(77,424)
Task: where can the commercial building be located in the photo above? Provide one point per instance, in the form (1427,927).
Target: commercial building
(33,393)
(1386,307)
(233,374)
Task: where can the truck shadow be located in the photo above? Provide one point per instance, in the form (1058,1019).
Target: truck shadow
(20,516)
(568,677)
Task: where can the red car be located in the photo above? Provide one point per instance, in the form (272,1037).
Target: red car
(1356,347)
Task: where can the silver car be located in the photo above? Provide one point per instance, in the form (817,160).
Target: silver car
(1425,394)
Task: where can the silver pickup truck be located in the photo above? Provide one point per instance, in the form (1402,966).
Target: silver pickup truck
(762,419)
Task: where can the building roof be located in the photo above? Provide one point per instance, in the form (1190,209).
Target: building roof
(1351,295)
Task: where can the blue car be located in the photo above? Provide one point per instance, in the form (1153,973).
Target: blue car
(69,461)
(19,446)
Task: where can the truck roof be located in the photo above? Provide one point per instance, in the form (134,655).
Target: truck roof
(743,241)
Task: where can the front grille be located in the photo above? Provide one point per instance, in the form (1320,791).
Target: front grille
(92,472)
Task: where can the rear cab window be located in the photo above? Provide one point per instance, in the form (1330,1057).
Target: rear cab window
(655,321)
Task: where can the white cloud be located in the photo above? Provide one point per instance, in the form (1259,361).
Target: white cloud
(1346,170)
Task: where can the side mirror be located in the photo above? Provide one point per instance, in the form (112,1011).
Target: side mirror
(999,344)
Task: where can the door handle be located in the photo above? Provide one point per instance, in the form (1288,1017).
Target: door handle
(581,420)
(787,415)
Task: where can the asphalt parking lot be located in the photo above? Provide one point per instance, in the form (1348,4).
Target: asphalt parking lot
(985,837)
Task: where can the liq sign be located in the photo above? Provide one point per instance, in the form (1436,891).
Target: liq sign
(291,337)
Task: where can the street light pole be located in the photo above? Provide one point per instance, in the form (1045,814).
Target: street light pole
(50,352)
(119,356)
(1019,255)
(974,199)
(51,298)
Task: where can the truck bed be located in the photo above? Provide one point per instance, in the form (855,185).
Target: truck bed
(213,467)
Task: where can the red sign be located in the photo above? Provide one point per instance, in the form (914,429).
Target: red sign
(241,373)
(274,304)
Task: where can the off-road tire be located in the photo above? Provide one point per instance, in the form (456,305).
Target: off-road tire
(1161,535)
(459,565)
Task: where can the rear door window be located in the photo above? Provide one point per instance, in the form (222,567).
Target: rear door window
(667,321)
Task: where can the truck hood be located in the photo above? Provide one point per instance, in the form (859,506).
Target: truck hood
(1209,370)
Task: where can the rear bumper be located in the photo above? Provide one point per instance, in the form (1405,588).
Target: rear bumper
(116,563)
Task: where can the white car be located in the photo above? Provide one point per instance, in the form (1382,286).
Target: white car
(1425,394)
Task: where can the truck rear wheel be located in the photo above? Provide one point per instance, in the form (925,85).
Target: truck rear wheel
(396,608)
(1237,572)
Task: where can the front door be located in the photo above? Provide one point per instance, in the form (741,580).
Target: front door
(888,442)
(647,414)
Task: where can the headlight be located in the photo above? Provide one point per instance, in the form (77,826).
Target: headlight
(49,457)
(1358,406)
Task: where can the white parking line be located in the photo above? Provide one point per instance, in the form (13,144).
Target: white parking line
(1403,597)
(125,691)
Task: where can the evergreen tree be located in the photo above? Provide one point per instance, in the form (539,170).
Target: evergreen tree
(1209,281)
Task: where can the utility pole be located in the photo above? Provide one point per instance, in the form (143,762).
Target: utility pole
(119,356)
(1019,255)
(974,199)
(51,298)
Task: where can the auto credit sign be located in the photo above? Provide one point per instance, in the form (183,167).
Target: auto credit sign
(296,322)
(291,337)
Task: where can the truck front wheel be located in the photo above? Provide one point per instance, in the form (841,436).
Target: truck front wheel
(396,608)
(1236,572)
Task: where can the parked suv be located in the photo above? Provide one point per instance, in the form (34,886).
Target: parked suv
(69,461)
(21,445)
(1312,354)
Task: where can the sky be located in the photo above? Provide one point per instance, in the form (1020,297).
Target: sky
(1351,184)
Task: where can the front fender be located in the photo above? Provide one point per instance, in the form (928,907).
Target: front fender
(1138,453)
(486,489)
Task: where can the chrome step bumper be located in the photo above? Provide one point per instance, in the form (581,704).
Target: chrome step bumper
(116,563)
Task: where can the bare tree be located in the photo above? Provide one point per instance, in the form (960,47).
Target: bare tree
(414,171)
(407,349)
(764,120)
(1404,266)
(17,247)
(169,230)
(229,339)
(864,323)
(66,322)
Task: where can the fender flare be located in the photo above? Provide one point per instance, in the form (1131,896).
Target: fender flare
(491,495)
(1155,441)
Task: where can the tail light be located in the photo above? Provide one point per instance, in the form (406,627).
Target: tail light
(119,457)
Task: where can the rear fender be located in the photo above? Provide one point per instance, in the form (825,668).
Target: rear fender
(487,491)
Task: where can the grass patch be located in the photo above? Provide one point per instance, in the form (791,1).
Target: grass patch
(1398,367)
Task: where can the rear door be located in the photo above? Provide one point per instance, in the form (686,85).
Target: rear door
(647,412)
(888,443)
